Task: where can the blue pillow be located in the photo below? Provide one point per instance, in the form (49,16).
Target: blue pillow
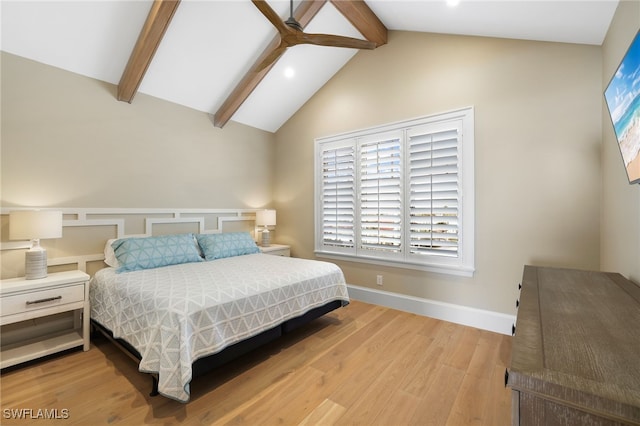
(153,252)
(217,246)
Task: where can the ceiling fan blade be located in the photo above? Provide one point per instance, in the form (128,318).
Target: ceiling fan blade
(270,14)
(336,41)
(271,58)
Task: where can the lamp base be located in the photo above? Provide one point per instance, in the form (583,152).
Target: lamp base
(35,266)
(266,238)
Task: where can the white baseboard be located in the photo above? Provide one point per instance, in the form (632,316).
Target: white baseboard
(464,315)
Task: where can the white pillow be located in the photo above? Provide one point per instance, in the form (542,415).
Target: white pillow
(109,255)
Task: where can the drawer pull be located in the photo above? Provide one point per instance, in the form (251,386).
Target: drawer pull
(517,303)
(513,330)
(506,377)
(48,299)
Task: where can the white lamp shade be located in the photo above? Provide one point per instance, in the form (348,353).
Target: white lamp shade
(266,218)
(35,224)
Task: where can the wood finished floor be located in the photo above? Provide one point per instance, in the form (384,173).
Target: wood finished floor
(363,364)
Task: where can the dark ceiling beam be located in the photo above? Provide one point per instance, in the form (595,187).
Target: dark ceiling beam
(363,19)
(304,13)
(149,39)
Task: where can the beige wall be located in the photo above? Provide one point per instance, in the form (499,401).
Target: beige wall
(67,141)
(537,143)
(620,230)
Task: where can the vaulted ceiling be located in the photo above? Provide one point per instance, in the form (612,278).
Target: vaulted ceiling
(203,54)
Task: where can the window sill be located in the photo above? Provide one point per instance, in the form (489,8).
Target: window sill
(461,271)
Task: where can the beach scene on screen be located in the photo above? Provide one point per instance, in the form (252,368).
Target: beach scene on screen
(623,100)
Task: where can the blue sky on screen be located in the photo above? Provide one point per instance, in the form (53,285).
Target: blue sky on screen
(624,89)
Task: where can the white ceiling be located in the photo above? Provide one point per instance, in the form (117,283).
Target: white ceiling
(211,44)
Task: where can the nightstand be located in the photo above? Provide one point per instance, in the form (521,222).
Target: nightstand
(25,304)
(277,250)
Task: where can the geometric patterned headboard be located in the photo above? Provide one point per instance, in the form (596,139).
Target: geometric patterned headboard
(86,231)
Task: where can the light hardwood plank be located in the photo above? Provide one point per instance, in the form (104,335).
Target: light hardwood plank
(464,348)
(367,408)
(499,401)
(363,364)
(436,404)
(399,410)
(327,413)
(468,407)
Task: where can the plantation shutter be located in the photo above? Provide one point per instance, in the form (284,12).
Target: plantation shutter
(380,195)
(401,194)
(338,196)
(434,190)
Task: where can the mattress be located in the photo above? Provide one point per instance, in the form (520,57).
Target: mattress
(177,314)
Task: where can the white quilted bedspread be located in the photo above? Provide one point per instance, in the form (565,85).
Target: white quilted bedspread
(176,314)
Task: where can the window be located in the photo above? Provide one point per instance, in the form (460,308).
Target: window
(399,194)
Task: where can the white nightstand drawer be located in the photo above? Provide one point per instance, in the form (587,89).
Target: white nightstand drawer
(277,250)
(25,302)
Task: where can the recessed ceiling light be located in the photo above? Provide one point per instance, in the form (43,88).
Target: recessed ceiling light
(453,3)
(289,72)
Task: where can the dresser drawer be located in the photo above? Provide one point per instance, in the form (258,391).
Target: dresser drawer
(41,299)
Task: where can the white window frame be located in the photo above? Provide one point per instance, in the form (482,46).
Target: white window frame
(463,263)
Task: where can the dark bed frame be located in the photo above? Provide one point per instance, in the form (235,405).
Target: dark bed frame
(210,362)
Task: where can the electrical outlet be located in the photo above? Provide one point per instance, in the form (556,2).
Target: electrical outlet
(379,279)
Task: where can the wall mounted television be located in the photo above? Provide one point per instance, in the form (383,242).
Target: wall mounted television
(622,96)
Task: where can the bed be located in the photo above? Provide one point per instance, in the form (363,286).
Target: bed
(181,314)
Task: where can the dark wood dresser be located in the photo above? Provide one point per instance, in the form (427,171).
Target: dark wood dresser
(576,349)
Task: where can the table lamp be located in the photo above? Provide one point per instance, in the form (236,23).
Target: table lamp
(35,225)
(266,218)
